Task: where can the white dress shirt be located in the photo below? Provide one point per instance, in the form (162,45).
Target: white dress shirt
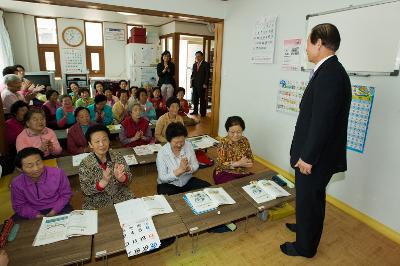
(168,162)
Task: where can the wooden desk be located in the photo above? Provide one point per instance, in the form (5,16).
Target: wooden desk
(109,239)
(65,162)
(228,213)
(21,251)
(241,182)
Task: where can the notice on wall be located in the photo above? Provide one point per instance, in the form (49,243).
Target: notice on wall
(291,55)
(263,43)
(73,61)
(114,34)
(360,112)
(289,95)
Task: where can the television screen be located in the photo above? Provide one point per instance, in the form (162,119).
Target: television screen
(39,79)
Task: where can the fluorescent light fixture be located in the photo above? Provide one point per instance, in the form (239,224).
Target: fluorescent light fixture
(127,14)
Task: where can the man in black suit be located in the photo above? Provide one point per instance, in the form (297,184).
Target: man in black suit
(318,147)
(199,82)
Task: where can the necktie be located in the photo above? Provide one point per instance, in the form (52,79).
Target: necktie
(198,66)
(311,75)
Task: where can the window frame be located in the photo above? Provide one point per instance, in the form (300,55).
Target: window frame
(43,48)
(95,49)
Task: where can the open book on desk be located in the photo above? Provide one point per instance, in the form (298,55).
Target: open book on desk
(136,209)
(147,149)
(207,200)
(203,142)
(62,227)
(265,190)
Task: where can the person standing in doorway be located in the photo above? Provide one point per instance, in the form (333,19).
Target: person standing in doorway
(318,147)
(199,82)
(166,73)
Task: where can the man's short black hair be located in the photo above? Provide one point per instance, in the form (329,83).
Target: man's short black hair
(94,129)
(329,35)
(175,129)
(18,104)
(50,92)
(172,100)
(199,52)
(139,91)
(122,80)
(78,109)
(19,66)
(26,152)
(100,98)
(234,121)
(9,70)
(82,90)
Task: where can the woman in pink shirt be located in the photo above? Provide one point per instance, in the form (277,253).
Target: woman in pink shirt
(50,107)
(39,190)
(38,135)
(15,124)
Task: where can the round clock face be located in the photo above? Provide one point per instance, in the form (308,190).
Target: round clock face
(72,36)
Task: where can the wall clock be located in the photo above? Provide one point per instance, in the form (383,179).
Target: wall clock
(72,36)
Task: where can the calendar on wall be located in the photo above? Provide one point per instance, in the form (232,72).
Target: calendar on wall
(289,95)
(73,61)
(263,43)
(360,112)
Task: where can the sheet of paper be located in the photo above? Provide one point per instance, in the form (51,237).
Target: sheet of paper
(142,150)
(272,188)
(130,159)
(157,204)
(257,193)
(219,195)
(291,54)
(202,142)
(140,236)
(82,222)
(263,47)
(200,202)
(77,159)
(52,229)
(131,211)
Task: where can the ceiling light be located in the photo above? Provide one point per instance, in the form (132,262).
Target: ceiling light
(127,14)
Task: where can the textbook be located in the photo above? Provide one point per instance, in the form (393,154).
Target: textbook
(62,227)
(136,209)
(202,142)
(147,149)
(265,190)
(207,200)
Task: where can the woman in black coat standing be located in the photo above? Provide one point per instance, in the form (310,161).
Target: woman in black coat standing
(166,73)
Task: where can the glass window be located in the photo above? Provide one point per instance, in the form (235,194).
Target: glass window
(46,30)
(50,61)
(170,44)
(163,48)
(95,59)
(94,33)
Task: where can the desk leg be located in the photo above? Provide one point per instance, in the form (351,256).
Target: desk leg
(105,260)
(195,242)
(177,253)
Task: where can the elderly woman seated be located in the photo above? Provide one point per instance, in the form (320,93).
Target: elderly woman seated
(100,112)
(170,117)
(40,190)
(76,140)
(135,129)
(176,163)
(37,135)
(104,175)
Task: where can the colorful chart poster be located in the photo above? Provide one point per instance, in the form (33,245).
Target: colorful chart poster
(360,112)
(291,55)
(289,95)
(264,40)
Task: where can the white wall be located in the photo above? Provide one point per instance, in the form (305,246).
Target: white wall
(114,53)
(21,29)
(185,27)
(207,8)
(372,181)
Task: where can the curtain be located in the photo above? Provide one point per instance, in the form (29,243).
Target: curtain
(6,56)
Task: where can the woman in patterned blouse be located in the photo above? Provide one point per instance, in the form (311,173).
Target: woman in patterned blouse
(234,153)
(104,175)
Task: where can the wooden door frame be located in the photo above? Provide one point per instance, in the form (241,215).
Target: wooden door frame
(219,28)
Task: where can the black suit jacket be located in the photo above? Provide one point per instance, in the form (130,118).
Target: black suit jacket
(169,75)
(202,76)
(320,135)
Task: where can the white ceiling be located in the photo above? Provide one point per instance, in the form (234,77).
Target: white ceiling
(37,9)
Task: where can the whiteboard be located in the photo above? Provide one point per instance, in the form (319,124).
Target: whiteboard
(370,38)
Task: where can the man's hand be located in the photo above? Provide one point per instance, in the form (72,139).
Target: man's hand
(304,167)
